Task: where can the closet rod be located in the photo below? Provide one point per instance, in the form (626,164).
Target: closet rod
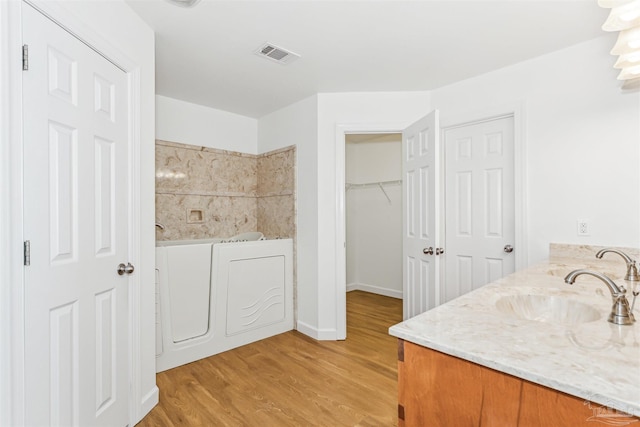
(374,184)
(379,184)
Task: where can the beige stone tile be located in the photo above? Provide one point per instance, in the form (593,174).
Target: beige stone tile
(222,216)
(189,171)
(276,173)
(224,186)
(276,216)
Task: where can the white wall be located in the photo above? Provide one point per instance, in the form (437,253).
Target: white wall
(581,154)
(374,225)
(311,124)
(581,138)
(582,142)
(187,123)
(297,125)
(119,33)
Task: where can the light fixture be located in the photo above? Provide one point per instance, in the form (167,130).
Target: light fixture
(625,17)
(183,3)
(624,14)
(627,60)
(627,40)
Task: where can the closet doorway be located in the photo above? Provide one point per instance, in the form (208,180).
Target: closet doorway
(373,213)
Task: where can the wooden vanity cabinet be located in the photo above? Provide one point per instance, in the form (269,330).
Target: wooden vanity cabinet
(438,390)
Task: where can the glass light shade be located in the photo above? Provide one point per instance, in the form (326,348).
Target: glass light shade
(633,84)
(608,4)
(623,17)
(628,41)
(184,3)
(627,60)
(629,73)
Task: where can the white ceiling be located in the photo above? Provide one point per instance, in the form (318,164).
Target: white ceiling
(204,54)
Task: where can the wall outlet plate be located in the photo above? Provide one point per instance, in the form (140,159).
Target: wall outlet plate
(583,227)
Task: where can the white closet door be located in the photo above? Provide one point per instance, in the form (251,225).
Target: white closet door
(480,200)
(420,143)
(77,202)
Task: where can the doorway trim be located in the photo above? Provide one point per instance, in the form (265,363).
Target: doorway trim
(343,129)
(11,356)
(12,392)
(447,121)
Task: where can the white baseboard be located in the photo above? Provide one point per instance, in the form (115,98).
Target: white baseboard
(315,333)
(374,290)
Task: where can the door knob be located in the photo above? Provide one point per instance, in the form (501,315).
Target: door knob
(428,251)
(439,251)
(125,269)
(508,249)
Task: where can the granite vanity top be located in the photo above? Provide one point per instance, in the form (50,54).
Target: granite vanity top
(596,360)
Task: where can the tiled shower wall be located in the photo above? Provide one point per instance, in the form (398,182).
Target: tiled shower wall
(204,192)
(276,193)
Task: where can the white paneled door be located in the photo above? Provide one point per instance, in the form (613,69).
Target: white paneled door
(479,193)
(420,144)
(76,218)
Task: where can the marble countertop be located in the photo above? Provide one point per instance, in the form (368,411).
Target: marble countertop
(597,361)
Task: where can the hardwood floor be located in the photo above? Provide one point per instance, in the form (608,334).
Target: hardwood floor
(291,379)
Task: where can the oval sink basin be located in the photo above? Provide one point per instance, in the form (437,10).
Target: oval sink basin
(547,308)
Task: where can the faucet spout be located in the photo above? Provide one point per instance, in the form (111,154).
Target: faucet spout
(621,313)
(632,270)
(160,226)
(615,289)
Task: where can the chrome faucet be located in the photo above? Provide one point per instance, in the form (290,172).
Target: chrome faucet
(160,226)
(620,312)
(632,269)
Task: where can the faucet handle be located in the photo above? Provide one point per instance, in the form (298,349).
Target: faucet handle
(632,269)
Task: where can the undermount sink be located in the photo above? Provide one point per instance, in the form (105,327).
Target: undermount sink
(547,308)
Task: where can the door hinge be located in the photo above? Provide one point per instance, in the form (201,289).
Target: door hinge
(25,57)
(27,252)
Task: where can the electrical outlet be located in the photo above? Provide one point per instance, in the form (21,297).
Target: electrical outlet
(583,227)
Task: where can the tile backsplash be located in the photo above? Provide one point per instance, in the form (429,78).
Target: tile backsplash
(204,192)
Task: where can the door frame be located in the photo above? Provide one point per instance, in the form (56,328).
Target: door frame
(12,364)
(447,121)
(342,130)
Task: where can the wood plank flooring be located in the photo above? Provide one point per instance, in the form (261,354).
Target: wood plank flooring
(291,379)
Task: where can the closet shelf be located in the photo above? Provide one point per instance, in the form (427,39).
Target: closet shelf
(373,184)
(379,184)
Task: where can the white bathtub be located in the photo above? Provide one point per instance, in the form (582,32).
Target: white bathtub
(213,296)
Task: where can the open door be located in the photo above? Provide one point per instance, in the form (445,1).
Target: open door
(420,145)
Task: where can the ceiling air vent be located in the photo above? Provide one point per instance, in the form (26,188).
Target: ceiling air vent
(275,53)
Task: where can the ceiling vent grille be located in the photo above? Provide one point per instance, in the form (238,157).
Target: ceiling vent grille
(276,53)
